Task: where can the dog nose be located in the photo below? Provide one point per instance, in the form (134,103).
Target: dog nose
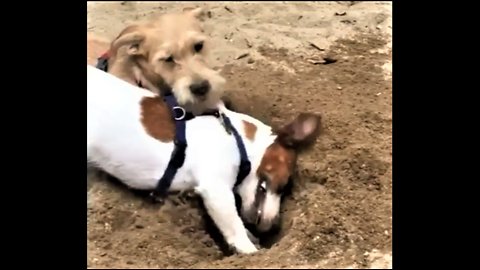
(201,88)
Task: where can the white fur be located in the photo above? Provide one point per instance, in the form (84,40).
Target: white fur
(118,143)
(270,210)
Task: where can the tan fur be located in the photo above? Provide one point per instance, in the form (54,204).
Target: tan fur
(141,53)
(95,48)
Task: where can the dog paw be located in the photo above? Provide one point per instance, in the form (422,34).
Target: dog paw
(248,250)
(245,247)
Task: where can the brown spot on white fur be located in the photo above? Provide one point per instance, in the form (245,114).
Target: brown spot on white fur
(156,119)
(250,130)
(277,165)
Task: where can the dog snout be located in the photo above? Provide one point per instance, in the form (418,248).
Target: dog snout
(264,225)
(201,88)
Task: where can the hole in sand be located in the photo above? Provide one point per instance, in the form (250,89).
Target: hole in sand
(267,240)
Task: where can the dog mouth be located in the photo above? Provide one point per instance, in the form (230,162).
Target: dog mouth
(201,98)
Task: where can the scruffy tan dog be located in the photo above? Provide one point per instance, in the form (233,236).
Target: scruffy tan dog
(169,52)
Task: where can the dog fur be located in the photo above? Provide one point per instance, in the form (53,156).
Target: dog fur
(130,137)
(169,53)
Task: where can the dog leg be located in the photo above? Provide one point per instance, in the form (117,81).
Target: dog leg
(252,238)
(220,205)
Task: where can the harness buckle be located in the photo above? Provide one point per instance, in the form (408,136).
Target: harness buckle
(182,111)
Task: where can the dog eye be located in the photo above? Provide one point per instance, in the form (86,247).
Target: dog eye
(263,187)
(169,59)
(198,47)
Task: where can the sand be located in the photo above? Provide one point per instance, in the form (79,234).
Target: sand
(340,212)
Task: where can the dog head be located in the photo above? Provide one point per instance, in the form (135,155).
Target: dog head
(172,52)
(261,195)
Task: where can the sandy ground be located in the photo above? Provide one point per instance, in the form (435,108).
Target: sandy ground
(340,212)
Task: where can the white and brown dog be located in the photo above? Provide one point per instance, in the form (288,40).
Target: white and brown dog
(167,53)
(131,136)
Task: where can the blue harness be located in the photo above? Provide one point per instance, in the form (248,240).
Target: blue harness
(180,116)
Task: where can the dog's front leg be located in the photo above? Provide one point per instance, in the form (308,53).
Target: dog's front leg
(252,238)
(220,205)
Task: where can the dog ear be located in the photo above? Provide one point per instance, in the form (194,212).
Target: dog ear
(301,132)
(198,12)
(131,37)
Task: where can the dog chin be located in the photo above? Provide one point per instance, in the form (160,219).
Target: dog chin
(197,104)
(183,96)
(264,226)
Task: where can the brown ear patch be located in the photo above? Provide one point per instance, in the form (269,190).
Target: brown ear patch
(156,119)
(250,130)
(277,164)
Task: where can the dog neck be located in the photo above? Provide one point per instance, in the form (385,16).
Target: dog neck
(133,71)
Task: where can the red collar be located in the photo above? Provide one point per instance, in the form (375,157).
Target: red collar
(106,55)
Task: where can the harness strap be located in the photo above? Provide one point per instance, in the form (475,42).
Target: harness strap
(180,143)
(178,155)
(178,114)
(190,116)
(245,165)
(102,62)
